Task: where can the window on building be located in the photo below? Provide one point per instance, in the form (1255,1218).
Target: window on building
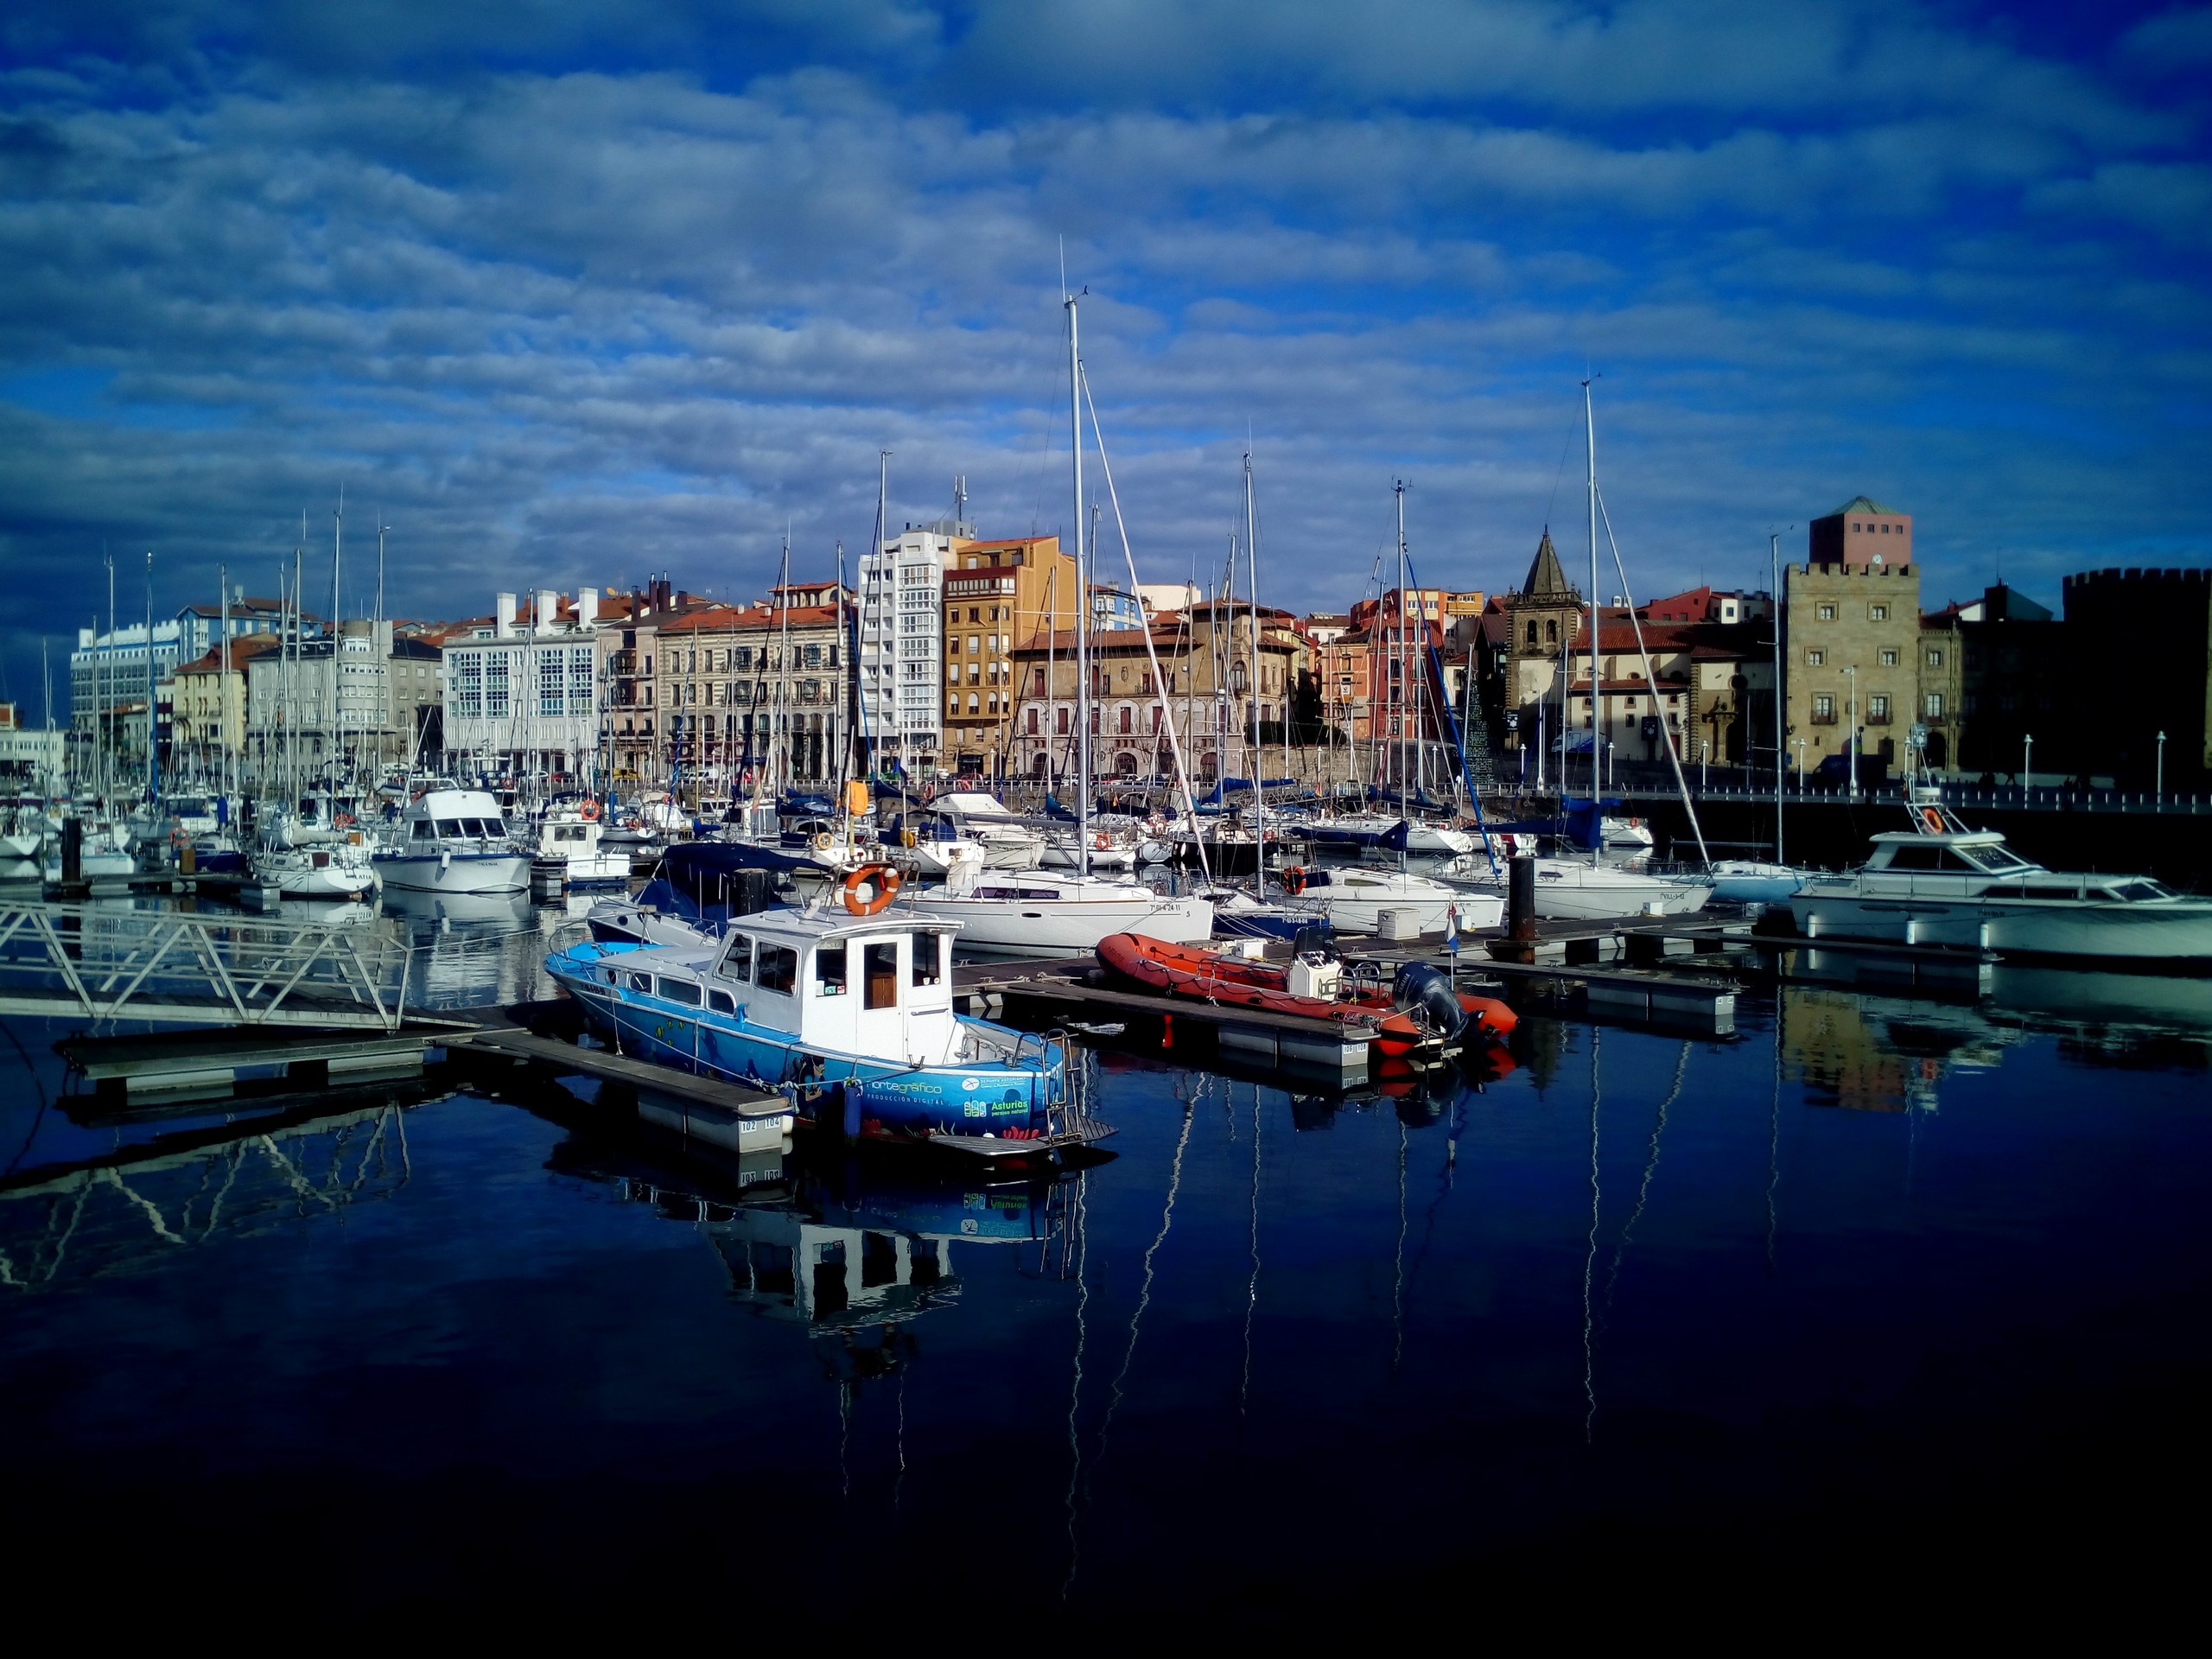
(1877,612)
(1823,708)
(1934,657)
(1064,722)
(1033,723)
(1889,659)
(1551,632)
(1815,658)
(1877,708)
(974,703)
(1532,633)
(1931,706)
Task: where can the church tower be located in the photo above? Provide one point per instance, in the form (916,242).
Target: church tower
(1544,615)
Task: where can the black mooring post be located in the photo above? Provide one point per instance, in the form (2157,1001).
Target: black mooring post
(1521,899)
(73,852)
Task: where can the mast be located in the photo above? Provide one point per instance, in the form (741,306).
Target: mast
(223,690)
(1082,596)
(107,775)
(1398,489)
(1596,702)
(337,631)
(1259,765)
(153,748)
(784,662)
(1774,627)
(887,663)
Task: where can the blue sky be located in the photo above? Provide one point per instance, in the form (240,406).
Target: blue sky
(579,292)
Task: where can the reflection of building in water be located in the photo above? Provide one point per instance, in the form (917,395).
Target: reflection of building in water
(1882,1054)
(120,1215)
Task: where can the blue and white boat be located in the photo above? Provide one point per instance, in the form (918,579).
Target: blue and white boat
(845,1005)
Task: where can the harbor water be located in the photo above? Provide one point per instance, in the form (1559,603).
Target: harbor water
(1878,1289)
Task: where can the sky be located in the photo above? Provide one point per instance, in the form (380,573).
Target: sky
(580,293)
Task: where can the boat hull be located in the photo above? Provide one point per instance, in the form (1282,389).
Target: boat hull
(455,871)
(1067,927)
(1568,890)
(856,1094)
(2175,932)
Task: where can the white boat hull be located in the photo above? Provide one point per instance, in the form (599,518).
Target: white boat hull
(1068,926)
(1570,890)
(2173,931)
(454,872)
(295,873)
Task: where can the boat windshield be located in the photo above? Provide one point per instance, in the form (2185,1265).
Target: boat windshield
(2135,892)
(1997,858)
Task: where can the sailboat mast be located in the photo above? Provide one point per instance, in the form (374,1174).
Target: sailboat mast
(337,639)
(1398,489)
(1597,701)
(1258,758)
(1082,597)
(153,747)
(1774,627)
(223,687)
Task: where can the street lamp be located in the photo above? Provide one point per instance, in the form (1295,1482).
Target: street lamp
(1701,747)
(2027,761)
(1852,728)
(1799,744)
(2162,769)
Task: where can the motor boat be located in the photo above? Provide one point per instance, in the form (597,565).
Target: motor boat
(1420,1009)
(570,834)
(1007,842)
(845,1005)
(453,841)
(338,870)
(1575,889)
(1108,852)
(1940,883)
(1353,898)
(1042,913)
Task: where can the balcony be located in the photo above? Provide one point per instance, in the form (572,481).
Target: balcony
(1828,718)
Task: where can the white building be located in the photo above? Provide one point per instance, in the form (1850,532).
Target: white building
(902,643)
(108,669)
(524,697)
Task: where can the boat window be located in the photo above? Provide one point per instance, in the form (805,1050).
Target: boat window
(495,826)
(829,968)
(2139,890)
(472,826)
(642,982)
(2043,893)
(880,962)
(423,830)
(737,960)
(449,826)
(1927,858)
(680,990)
(1999,858)
(1974,858)
(1040,893)
(721,1001)
(928,964)
(998,893)
(778,969)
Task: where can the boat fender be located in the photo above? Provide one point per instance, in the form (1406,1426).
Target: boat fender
(1293,880)
(880,881)
(1420,989)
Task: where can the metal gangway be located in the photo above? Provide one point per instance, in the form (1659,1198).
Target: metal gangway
(102,963)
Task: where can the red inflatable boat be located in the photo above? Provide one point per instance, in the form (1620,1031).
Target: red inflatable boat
(1420,1009)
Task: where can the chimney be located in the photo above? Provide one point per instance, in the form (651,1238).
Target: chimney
(507,615)
(548,610)
(587,608)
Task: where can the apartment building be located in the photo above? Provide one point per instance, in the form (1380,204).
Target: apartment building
(522,692)
(997,593)
(1852,645)
(762,688)
(901,588)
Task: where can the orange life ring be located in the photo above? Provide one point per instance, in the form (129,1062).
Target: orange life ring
(881,877)
(1932,820)
(341,819)
(589,811)
(1293,880)
(1101,841)
(179,835)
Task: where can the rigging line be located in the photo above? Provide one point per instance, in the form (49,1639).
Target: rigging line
(1398,1266)
(1565,443)
(39,1119)
(1650,1168)
(1446,1179)
(1590,1262)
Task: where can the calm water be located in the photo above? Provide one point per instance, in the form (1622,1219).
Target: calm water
(1895,1287)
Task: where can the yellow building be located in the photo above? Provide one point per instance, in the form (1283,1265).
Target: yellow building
(996,595)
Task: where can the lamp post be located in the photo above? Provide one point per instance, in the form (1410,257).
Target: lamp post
(1701,747)
(1799,744)
(1851,740)
(2162,769)
(2027,761)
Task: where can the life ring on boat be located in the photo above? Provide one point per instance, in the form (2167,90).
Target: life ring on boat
(1101,841)
(1293,880)
(341,819)
(179,835)
(823,841)
(929,793)
(880,880)
(746,778)
(589,811)
(1932,820)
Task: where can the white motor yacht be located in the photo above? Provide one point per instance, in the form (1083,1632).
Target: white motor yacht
(1008,843)
(453,841)
(572,835)
(1052,912)
(1941,883)
(1575,889)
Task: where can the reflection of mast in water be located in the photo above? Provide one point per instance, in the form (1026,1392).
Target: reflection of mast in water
(1590,1262)
(1252,1290)
(1082,1243)
(1650,1168)
(1136,1317)
(1456,1122)
(1398,1264)
(1774,1133)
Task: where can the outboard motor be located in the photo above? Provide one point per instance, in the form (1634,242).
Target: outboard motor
(1428,990)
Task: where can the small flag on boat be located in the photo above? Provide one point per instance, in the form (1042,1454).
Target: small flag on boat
(1452,929)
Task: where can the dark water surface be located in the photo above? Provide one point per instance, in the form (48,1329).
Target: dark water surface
(1904,1301)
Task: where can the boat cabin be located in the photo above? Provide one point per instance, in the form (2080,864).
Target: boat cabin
(441,814)
(865,985)
(1977,861)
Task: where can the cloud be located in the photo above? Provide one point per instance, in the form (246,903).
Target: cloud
(584,312)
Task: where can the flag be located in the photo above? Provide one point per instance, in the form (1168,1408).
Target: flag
(1452,929)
